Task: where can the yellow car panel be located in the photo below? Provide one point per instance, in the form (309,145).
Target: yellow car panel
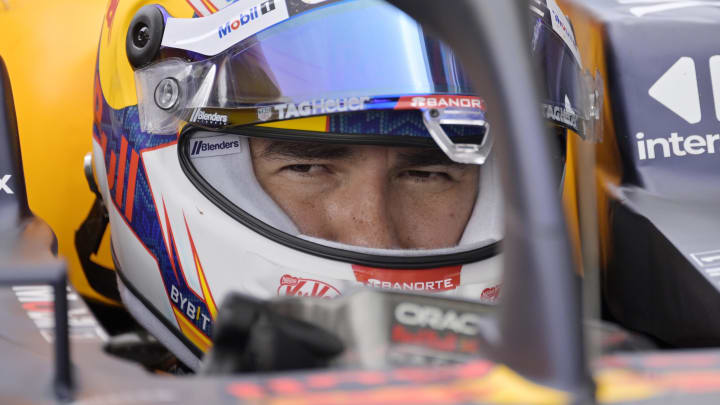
(49,48)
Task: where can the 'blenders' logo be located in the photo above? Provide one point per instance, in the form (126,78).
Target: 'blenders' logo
(201,146)
(213,119)
(249,15)
(215,146)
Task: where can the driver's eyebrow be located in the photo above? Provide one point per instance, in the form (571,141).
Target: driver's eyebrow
(304,150)
(425,157)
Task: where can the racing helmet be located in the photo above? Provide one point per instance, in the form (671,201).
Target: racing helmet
(207,117)
(571,95)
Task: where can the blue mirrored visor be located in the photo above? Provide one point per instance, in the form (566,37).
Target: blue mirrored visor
(342,57)
(345,49)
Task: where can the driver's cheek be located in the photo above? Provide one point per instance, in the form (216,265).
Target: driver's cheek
(381,215)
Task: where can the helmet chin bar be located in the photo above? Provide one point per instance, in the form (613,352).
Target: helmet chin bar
(468,153)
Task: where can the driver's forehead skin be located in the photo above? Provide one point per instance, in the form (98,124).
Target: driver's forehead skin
(373,196)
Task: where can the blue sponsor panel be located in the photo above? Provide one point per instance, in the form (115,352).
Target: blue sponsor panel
(145,218)
(400,123)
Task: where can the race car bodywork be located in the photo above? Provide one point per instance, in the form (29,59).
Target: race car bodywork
(656,165)
(97,377)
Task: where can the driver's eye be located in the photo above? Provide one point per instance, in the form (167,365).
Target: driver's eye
(425,175)
(419,173)
(300,168)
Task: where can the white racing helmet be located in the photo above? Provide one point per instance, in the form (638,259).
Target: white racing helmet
(191,214)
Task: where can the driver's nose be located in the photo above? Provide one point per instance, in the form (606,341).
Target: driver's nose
(360,215)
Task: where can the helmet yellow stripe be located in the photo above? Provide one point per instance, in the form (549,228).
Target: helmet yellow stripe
(317,124)
(192,333)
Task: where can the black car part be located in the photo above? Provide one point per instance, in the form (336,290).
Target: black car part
(27,245)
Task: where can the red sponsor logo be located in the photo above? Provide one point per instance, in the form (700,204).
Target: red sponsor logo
(399,385)
(438,279)
(417,102)
(305,287)
(490,294)
(429,338)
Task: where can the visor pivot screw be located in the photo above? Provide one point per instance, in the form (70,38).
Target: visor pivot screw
(142,35)
(434,113)
(167,93)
